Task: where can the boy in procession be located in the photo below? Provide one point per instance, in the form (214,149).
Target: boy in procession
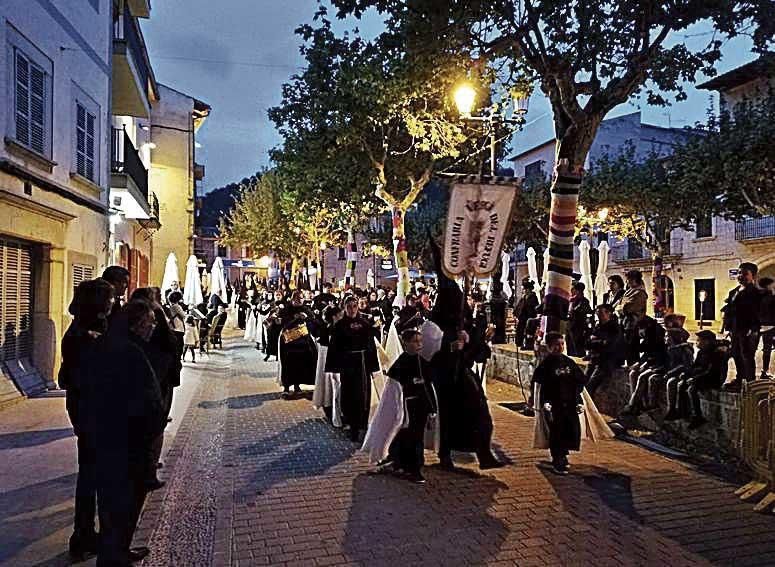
(559,383)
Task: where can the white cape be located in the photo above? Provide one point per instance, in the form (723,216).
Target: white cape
(593,426)
(251,326)
(327,389)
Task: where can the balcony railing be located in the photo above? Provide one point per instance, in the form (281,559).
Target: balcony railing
(126,160)
(126,28)
(752,229)
(153,202)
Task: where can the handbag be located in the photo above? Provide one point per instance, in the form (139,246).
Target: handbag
(295,333)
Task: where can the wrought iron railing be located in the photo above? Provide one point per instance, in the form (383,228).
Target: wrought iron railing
(125,159)
(126,28)
(751,229)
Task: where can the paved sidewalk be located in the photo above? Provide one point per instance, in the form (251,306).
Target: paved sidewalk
(257,480)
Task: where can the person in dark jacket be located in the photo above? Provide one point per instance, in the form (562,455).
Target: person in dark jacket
(631,309)
(741,321)
(90,308)
(768,324)
(707,372)
(161,351)
(126,412)
(497,310)
(561,382)
(615,291)
(524,310)
(578,321)
(118,277)
(298,352)
(653,361)
(680,354)
(606,346)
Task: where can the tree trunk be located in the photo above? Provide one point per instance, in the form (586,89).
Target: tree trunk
(403,286)
(352,259)
(573,145)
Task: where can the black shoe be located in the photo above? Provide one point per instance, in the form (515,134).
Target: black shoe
(266,358)
(137,554)
(446,463)
(732,387)
(671,415)
(155,484)
(296,390)
(159,465)
(169,420)
(492,463)
(385,463)
(560,468)
(416,478)
(696,422)
(286,395)
(528,412)
(82,548)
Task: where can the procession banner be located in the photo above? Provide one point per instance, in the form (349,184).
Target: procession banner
(477,220)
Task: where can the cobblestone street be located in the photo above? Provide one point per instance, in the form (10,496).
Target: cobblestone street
(257,480)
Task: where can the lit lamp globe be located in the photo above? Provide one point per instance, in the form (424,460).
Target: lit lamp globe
(264,262)
(521,98)
(602,214)
(465,96)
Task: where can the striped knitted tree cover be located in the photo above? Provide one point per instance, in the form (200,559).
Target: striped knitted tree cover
(403,286)
(562,224)
(352,258)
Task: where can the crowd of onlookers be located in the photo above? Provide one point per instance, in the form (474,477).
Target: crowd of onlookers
(659,356)
(121,361)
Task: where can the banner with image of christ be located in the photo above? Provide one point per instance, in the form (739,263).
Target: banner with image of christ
(477,220)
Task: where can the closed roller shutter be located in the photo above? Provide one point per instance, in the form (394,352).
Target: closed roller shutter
(15,301)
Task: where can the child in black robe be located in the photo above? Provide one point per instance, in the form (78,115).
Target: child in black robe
(413,372)
(561,383)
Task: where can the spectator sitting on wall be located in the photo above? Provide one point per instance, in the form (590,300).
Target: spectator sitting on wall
(524,310)
(708,372)
(679,356)
(615,291)
(632,309)
(768,324)
(652,361)
(605,348)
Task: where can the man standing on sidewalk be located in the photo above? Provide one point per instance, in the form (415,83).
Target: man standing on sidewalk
(741,321)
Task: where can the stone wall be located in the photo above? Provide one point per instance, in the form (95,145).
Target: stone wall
(718,438)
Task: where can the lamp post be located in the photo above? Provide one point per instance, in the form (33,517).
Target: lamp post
(323,247)
(465,98)
(374,262)
(702,295)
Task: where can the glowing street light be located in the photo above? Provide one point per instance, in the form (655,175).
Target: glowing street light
(602,214)
(465,96)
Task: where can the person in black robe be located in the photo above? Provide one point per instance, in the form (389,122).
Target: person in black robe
(414,373)
(274,326)
(561,382)
(579,313)
(464,417)
(242,308)
(353,354)
(497,310)
(90,308)
(298,352)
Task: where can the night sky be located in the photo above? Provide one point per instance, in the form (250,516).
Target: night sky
(236,54)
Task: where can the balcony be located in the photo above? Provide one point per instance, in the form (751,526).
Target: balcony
(755,229)
(128,178)
(140,8)
(133,81)
(154,222)
(199,171)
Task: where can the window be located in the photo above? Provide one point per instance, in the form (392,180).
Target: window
(31,87)
(81,273)
(634,249)
(222,252)
(704,226)
(85,126)
(535,170)
(342,254)
(705,310)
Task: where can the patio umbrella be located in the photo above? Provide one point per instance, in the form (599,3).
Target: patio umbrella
(505,262)
(601,282)
(585,267)
(192,290)
(545,275)
(370,278)
(218,280)
(532,267)
(170,274)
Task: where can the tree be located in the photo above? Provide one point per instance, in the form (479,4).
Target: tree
(587,58)
(383,103)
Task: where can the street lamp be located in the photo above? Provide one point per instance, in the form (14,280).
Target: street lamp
(465,97)
(374,263)
(702,295)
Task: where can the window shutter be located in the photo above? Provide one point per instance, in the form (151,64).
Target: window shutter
(81,273)
(80,139)
(22,99)
(90,118)
(37,109)
(30,104)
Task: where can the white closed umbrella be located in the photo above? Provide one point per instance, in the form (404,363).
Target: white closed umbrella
(545,275)
(505,261)
(171,274)
(601,281)
(370,278)
(218,280)
(192,289)
(532,267)
(585,267)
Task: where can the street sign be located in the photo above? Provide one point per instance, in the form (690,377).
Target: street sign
(733,273)
(386,265)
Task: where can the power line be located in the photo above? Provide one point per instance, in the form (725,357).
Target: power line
(229,62)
